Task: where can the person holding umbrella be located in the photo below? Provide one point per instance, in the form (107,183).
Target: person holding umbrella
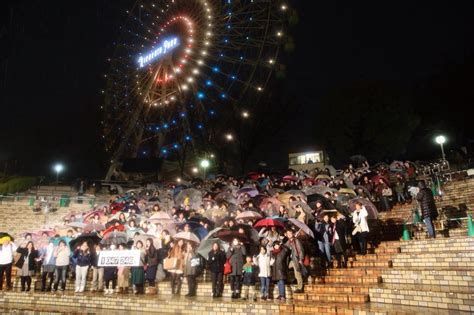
(297,256)
(83,257)
(236,254)
(138,273)
(97,272)
(49,265)
(216,263)
(26,264)
(190,268)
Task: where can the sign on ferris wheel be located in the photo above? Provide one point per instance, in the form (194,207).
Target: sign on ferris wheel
(162,49)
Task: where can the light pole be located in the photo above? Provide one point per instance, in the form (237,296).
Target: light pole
(441,140)
(205,164)
(58,168)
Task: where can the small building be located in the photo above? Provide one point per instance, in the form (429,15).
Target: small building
(307,161)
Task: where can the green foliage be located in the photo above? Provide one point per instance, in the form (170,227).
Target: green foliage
(16,184)
(369,118)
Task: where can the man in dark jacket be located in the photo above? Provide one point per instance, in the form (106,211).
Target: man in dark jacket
(428,207)
(297,257)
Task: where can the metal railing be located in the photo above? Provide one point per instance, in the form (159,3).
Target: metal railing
(54,201)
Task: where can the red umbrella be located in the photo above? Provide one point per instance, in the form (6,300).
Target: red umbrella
(253,175)
(269,222)
(228,235)
(289,178)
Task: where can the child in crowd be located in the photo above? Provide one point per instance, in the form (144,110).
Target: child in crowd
(248,272)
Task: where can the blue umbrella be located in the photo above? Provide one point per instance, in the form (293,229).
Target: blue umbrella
(201,232)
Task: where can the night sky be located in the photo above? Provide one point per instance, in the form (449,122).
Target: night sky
(53,55)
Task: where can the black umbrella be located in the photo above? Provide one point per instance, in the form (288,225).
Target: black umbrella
(90,238)
(326,203)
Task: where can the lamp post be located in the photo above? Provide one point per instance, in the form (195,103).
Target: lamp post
(205,164)
(58,168)
(441,140)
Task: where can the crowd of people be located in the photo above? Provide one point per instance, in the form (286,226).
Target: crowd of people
(259,229)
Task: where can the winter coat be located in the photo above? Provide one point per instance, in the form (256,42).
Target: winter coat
(322,232)
(341,233)
(152,257)
(360,218)
(31,258)
(296,252)
(188,269)
(236,255)
(279,269)
(216,261)
(178,252)
(82,259)
(427,203)
(62,256)
(110,273)
(263,263)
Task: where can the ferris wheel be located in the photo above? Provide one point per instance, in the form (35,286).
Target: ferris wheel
(184,72)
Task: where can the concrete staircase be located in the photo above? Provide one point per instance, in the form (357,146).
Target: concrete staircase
(435,273)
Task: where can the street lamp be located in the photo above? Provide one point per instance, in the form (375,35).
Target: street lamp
(229,137)
(205,164)
(58,168)
(441,140)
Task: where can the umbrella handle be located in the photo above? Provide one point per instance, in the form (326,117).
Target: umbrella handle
(297,233)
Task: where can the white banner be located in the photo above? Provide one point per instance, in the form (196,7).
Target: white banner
(128,258)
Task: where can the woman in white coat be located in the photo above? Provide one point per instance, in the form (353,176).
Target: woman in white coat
(361,227)
(264,262)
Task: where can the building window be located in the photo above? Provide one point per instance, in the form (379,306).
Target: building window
(307,158)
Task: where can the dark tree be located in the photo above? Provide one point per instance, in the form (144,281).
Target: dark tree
(374,119)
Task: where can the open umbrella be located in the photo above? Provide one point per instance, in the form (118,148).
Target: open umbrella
(248,215)
(90,238)
(289,178)
(161,217)
(201,232)
(206,245)
(360,188)
(331,169)
(323,176)
(296,193)
(326,203)
(114,238)
(227,235)
(77,225)
(347,191)
(300,225)
(189,197)
(187,236)
(317,189)
(94,227)
(225,196)
(269,222)
(251,191)
(371,208)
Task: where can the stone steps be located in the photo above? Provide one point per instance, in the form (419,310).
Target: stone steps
(442,300)
(331,298)
(441,277)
